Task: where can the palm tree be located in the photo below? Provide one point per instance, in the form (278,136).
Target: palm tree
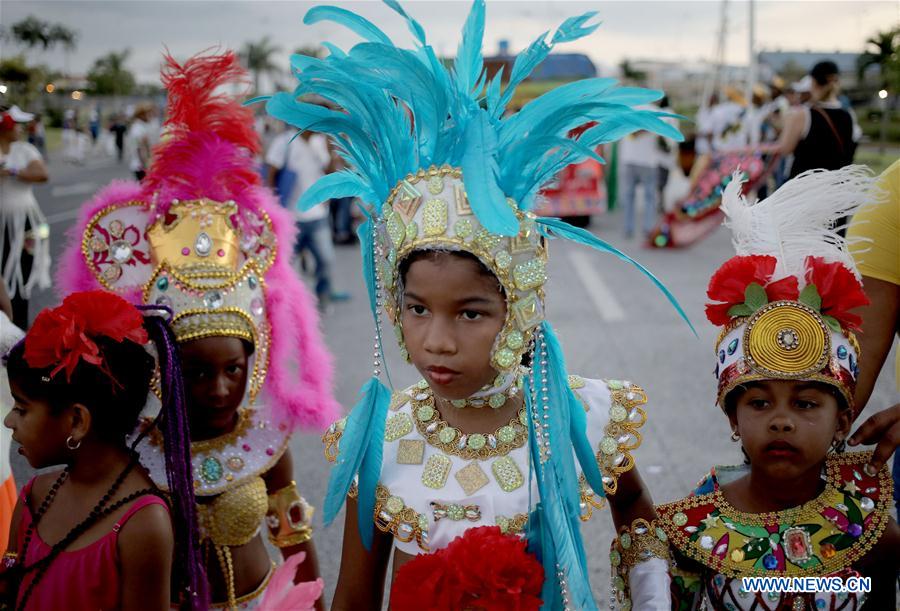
(258,57)
(32,32)
(882,50)
(109,75)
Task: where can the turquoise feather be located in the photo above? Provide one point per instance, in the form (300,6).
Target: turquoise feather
(552,227)
(358,24)
(339,184)
(479,166)
(469,62)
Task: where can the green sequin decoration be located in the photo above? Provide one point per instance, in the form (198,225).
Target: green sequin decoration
(497,401)
(435,184)
(503,259)
(476,441)
(506,434)
(530,275)
(412,230)
(463,228)
(507,473)
(447,434)
(608,445)
(456,512)
(617,413)
(395,228)
(394,505)
(425,413)
(434,218)
(397,426)
(515,340)
(505,358)
(487,240)
(679,519)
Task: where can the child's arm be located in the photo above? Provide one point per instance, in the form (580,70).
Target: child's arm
(361,581)
(293,533)
(644,557)
(8,584)
(146,546)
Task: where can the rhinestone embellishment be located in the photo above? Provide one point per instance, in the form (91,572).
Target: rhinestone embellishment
(203,244)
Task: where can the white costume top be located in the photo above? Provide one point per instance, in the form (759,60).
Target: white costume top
(436,482)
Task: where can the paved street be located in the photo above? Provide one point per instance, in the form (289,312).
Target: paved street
(612,323)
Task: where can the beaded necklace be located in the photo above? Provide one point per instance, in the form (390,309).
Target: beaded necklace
(99,511)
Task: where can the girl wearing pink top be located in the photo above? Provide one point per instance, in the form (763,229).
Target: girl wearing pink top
(98,533)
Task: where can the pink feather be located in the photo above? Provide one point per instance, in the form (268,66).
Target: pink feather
(281,592)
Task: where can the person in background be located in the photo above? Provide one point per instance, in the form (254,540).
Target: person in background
(876,230)
(640,158)
(818,135)
(37,135)
(118,127)
(139,141)
(9,335)
(307,157)
(24,247)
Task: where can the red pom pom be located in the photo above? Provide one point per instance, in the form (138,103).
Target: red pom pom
(839,289)
(63,336)
(483,569)
(728,284)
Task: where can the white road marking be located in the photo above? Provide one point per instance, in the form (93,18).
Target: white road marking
(607,305)
(66,215)
(78,188)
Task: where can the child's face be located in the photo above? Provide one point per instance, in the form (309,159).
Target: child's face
(787,427)
(451,313)
(41,433)
(215,373)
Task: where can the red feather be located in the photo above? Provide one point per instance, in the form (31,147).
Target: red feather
(483,569)
(728,284)
(195,106)
(839,289)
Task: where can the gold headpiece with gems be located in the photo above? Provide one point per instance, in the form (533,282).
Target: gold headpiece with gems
(429,210)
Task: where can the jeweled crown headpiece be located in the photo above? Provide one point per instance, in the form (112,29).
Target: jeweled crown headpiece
(784,301)
(437,163)
(202,237)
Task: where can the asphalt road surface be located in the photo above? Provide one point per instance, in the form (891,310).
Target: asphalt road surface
(611,321)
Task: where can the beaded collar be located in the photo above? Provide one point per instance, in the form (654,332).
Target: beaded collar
(824,535)
(251,449)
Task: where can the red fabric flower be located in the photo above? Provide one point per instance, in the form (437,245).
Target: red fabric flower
(728,284)
(839,289)
(63,336)
(483,569)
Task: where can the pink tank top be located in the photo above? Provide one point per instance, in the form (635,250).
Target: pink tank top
(85,579)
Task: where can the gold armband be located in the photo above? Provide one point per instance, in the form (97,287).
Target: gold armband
(642,541)
(289,517)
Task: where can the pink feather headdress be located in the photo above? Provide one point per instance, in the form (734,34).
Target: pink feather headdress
(201,215)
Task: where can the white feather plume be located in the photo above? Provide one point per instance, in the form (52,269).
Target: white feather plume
(798,220)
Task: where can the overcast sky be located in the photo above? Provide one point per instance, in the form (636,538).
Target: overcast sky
(671,30)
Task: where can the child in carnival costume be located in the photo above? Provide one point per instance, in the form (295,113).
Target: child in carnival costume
(202,237)
(786,363)
(496,434)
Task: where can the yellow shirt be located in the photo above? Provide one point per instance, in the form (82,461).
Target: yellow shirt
(879,256)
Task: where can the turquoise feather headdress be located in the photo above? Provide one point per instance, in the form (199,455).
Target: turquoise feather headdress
(436,162)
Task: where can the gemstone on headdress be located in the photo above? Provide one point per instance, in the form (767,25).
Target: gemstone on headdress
(395,227)
(116,229)
(213,299)
(463,228)
(162,283)
(98,245)
(842,352)
(120,250)
(434,217)
(203,244)
(256,306)
(787,338)
(503,259)
(112,272)
(164,301)
(732,346)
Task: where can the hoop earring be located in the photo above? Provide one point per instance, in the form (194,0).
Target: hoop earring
(72,446)
(735,436)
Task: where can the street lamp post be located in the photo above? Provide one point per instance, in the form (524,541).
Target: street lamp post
(882,96)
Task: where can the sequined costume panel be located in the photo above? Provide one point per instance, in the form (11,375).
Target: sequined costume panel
(437,482)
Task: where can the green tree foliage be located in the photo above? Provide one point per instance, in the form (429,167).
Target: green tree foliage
(883,50)
(109,76)
(32,32)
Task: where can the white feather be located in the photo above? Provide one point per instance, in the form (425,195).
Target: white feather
(798,220)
